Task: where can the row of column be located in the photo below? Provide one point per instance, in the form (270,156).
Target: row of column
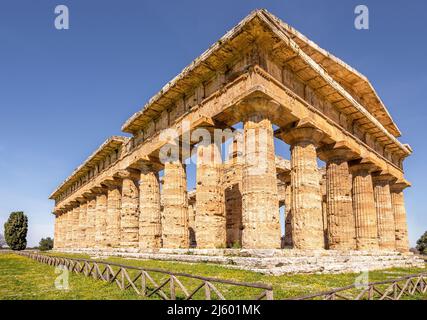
(364,211)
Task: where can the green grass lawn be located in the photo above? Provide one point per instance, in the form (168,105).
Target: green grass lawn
(22,278)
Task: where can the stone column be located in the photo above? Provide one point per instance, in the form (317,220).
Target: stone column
(364,207)
(385,215)
(260,205)
(114,202)
(90,222)
(210,206)
(129,218)
(175,206)
(100,218)
(306,202)
(56,232)
(150,227)
(82,223)
(69,228)
(76,227)
(401,227)
(341,232)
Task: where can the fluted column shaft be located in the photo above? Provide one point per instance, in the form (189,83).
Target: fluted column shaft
(90,223)
(385,215)
(82,224)
(175,233)
(129,219)
(364,208)
(260,205)
(306,202)
(114,202)
(210,221)
(69,229)
(341,232)
(56,233)
(399,211)
(150,226)
(100,220)
(61,236)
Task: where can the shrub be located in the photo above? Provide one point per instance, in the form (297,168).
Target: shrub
(46,244)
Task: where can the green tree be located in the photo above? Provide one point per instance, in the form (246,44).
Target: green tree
(15,231)
(46,244)
(422,244)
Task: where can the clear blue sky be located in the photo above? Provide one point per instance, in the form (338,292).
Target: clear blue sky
(62,93)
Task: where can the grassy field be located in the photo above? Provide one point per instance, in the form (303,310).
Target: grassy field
(22,278)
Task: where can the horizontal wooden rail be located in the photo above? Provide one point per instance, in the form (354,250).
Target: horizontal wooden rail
(142,280)
(393,289)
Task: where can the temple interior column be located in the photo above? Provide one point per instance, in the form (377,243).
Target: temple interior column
(150,227)
(210,206)
(100,219)
(385,215)
(114,202)
(260,205)
(341,233)
(364,207)
(175,232)
(306,202)
(399,211)
(288,214)
(129,218)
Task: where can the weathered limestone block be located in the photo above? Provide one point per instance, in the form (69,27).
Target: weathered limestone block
(175,232)
(90,223)
(210,220)
(401,227)
(100,220)
(69,228)
(150,227)
(364,207)
(129,219)
(261,224)
(385,214)
(114,201)
(306,202)
(341,232)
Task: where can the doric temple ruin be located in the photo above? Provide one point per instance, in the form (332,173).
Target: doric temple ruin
(277,84)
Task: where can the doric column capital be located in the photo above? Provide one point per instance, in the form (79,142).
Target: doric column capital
(112,182)
(399,186)
(88,196)
(336,151)
(257,107)
(129,173)
(362,166)
(302,131)
(383,178)
(99,190)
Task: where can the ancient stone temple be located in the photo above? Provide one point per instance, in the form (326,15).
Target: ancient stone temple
(131,194)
